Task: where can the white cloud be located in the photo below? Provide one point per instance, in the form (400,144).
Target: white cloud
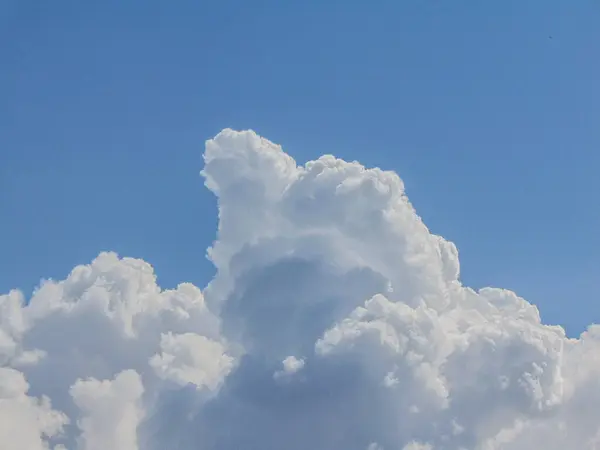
(191,358)
(106,321)
(110,411)
(325,276)
(25,422)
(417,446)
(291,365)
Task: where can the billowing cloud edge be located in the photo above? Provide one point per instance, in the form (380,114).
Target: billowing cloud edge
(335,320)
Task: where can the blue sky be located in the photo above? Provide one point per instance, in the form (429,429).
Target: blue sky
(489,112)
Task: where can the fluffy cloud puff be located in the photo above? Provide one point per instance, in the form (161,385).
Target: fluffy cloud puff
(335,320)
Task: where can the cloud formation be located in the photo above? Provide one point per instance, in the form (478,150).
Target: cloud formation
(335,320)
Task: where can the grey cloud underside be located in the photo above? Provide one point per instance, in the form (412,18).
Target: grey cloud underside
(336,320)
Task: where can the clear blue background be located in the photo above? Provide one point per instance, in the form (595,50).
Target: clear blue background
(488,110)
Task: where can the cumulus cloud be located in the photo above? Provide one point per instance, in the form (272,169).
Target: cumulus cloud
(291,365)
(110,414)
(191,358)
(25,422)
(335,320)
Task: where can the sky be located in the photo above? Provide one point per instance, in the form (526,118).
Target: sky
(123,157)
(488,112)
